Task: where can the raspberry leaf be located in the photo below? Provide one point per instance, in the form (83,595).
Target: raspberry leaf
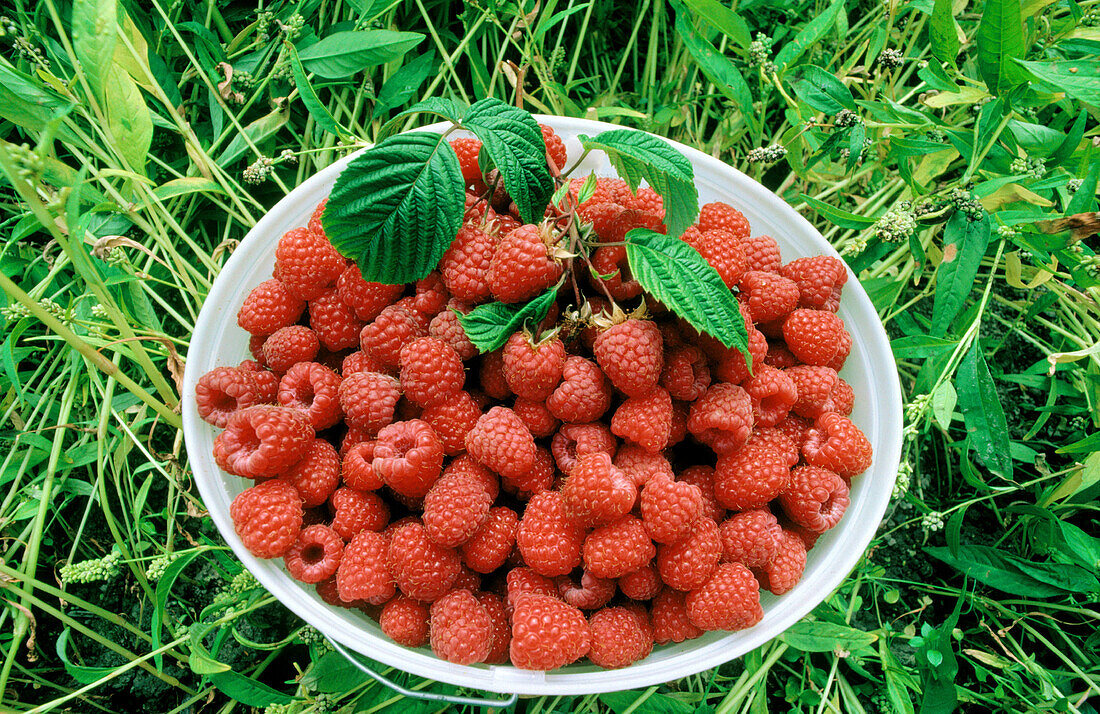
(489,326)
(674,273)
(396,207)
(638,155)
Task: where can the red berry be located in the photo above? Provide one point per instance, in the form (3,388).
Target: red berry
(368,400)
(315,390)
(307,263)
(689,562)
(720,215)
(531,369)
(670,508)
(815,336)
(670,618)
(263,441)
(316,475)
(729,600)
(461,630)
(268,307)
(722,418)
(548,537)
(835,443)
(467,150)
(630,219)
(354,511)
(642,584)
(547,633)
(816,498)
(762,253)
(649,200)
(779,356)
(491,375)
(447,327)
(584,394)
(773,394)
(540,422)
(596,492)
(364,572)
(488,548)
(820,280)
(500,440)
(315,218)
(388,333)
(640,465)
(618,638)
(225,390)
(523,264)
(750,477)
(523,580)
(405,621)
(732,367)
(334,322)
(777,439)
(539,478)
(820,389)
(703,477)
(452,419)
(555,147)
(455,508)
(502,629)
(422,569)
(618,548)
(431,296)
(750,537)
(365,298)
(686,375)
(769,296)
(574,441)
(722,250)
(591,593)
(630,354)
(360,361)
(409,457)
(466,464)
(645,420)
(783,572)
(267,517)
(602,217)
(431,371)
(290,345)
(315,555)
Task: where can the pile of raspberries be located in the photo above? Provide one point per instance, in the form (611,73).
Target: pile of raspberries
(608,480)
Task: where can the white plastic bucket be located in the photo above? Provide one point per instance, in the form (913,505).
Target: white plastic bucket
(870,370)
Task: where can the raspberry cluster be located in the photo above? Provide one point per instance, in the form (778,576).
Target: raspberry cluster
(605,482)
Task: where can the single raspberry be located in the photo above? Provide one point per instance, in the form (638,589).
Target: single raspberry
(500,440)
(452,419)
(769,296)
(751,477)
(618,638)
(522,580)
(630,219)
(540,422)
(315,555)
(686,375)
(523,264)
(640,465)
(447,327)
(814,336)
(762,253)
(502,629)
(596,492)
(703,477)
(783,572)
(670,509)
(409,457)
(722,250)
(334,322)
(268,307)
(315,217)
(733,368)
(808,537)
(354,511)
(491,375)
(267,517)
(820,280)
(630,354)
(719,215)
(366,299)
(263,441)
(533,369)
(315,390)
(405,621)
(816,498)
(729,600)
(615,190)
(555,148)
(645,420)
(591,593)
(618,548)
(360,361)
(368,400)
(602,217)
(610,267)
(422,319)
(750,537)
(430,295)
(225,390)
(649,200)
(466,464)
(326,589)
(307,263)
(574,441)
(467,150)
(422,568)
(773,394)
(548,537)
(642,584)
(584,394)
(502,224)
(779,356)
(596,307)
(842,352)
(467,580)
(692,235)
(461,630)
(431,371)
(256,348)
(722,418)
(354,437)
(388,333)
(820,389)
(364,572)
(670,618)
(487,549)
(677,430)
(795,427)
(316,475)
(539,478)
(834,443)
(777,439)
(689,562)
(547,633)
(456,506)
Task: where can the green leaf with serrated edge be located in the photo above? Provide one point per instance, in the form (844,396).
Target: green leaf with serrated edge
(588,189)
(674,273)
(1000,41)
(839,216)
(944,400)
(490,325)
(965,243)
(810,33)
(722,18)
(1079,79)
(982,412)
(449,109)
(637,155)
(941,32)
(823,91)
(641,702)
(342,54)
(512,139)
(316,109)
(396,207)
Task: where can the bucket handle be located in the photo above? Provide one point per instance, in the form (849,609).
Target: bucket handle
(428,696)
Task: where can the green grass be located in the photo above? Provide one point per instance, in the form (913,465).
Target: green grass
(980,589)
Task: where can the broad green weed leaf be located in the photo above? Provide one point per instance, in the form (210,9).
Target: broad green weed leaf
(639,703)
(982,412)
(840,217)
(342,54)
(404,83)
(316,109)
(94,27)
(1013,575)
(822,636)
(1077,78)
(81,673)
(823,91)
(1000,41)
(809,35)
(248,691)
(944,400)
(722,18)
(490,325)
(164,588)
(258,131)
(128,119)
(941,32)
(965,243)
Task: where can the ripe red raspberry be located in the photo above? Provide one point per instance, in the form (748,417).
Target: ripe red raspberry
(456,506)
(491,375)
(364,572)
(820,279)
(686,375)
(452,419)
(814,336)
(289,346)
(820,389)
(315,217)
(388,333)
(816,498)
(783,572)
(670,509)
(678,429)
(539,478)
(502,629)
(263,441)
(368,400)
(307,263)
(405,621)
(645,420)
(547,633)
(467,150)
(431,371)
(523,264)
(523,580)
(461,629)
(769,296)
(409,457)
(591,593)
(548,537)
(466,464)
(596,492)
(334,322)
(670,618)
(722,418)
(779,356)
(779,440)
(835,443)
(584,394)
(610,267)
(689,562)
(618,548)
(630,219)
(795,427)
(703,477)
(488,548)
(354,511)
(630,354)
(422,319)
(447,327)
(268,307)
(751,477)
(555,148)
(422,569)
(618,638)
(500,440)
(722,250)
(502,224)
(773,394)
(602,217)
(750,537)
(326,589)
(762,253)
(256,348)
(365,298)
(641,465)
(732,367)
(225,390)
(842,352)
(315,390)
(574,441)
(430,296)
(354,437)
(360,361)
(316,475)
(267,517)
(531,369)
(642,584)
(540,422)
(719,215)
(315,555)
(729,600)
(649,200)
